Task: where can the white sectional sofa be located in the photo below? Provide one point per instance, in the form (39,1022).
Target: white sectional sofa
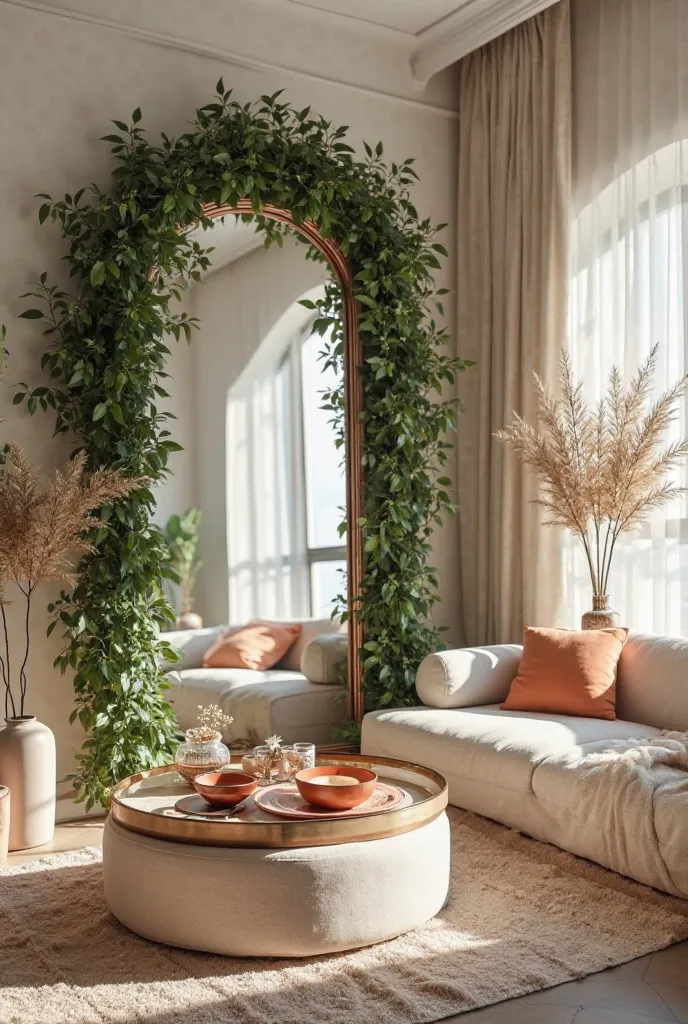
(601,789)
(302,698)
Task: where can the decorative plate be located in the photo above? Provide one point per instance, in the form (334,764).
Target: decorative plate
(287,802)
(196,806)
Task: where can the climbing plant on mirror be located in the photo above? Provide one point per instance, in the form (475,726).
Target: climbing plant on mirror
(131,253)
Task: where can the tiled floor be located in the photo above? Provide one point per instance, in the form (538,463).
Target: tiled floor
(645,991)
(650,990)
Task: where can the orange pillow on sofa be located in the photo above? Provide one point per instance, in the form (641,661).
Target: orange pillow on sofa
(258,646)
(567,672)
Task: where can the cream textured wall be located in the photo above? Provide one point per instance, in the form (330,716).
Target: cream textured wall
(60,81)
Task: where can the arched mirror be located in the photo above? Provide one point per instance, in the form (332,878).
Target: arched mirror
(270,478)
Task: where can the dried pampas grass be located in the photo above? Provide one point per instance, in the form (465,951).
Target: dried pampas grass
(43,531)
(603,469)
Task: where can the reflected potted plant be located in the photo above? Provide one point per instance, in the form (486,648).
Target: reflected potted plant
(181,534)
(603,469)
(43,532)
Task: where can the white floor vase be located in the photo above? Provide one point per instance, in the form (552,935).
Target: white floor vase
(28,769)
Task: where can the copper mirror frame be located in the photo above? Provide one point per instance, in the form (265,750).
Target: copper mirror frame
(353,406)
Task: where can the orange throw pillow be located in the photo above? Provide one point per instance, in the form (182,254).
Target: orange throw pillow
(258,646)
(568,672)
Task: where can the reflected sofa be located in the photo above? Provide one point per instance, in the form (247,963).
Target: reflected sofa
(558,778)
(302,698)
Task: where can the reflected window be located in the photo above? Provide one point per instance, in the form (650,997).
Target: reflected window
(286,489)
(323,476)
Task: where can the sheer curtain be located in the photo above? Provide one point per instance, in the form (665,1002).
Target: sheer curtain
(629,261)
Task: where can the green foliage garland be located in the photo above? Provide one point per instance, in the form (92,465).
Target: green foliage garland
(106,361)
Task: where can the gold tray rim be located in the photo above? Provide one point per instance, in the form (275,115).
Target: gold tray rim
(287,833)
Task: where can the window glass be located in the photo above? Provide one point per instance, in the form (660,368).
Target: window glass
(325,485)
(328,582)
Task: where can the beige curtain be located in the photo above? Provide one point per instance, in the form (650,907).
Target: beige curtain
(513,215)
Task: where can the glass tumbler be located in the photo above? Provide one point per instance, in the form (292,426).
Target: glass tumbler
(263,759)
(306,752)
(290,763)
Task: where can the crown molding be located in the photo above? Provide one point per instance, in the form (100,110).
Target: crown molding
(363,25)
(201,49)
(468,28)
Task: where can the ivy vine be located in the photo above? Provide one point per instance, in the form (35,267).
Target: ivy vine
(105,358)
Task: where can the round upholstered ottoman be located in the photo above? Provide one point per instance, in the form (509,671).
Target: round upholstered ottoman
(276,902)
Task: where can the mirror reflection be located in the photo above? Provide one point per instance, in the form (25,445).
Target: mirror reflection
(253,506)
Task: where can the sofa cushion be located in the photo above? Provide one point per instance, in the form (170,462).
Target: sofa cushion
(467,677)
(568,672)
(653,681)
(261,703)
(258,646)
(488,756)
(325,659)
(310,628)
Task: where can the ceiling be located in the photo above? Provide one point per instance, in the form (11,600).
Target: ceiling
(441,32)
(410,16)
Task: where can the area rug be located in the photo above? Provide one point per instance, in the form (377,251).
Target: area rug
(523,916)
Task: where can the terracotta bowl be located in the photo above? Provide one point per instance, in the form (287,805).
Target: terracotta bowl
(336,797)
(224,789)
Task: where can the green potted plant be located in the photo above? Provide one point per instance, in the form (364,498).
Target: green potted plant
(181,534)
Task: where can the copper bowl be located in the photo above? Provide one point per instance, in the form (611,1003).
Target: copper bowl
(224,789)
(336,797)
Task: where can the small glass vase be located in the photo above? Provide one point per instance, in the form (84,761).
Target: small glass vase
(601,616)
(201,752)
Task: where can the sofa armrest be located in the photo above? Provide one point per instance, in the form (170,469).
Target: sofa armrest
(310,629)
(324,660)
(467,677)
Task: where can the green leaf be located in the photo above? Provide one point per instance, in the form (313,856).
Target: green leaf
(32,314)
(97,275)
(99,412)
(136,116)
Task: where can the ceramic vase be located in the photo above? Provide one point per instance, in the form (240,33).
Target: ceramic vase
(601,616)
(189,620)
(28,769)
(4,822)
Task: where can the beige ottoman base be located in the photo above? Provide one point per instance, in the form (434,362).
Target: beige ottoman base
(245,902)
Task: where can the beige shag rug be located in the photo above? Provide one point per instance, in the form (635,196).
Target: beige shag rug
(522,916)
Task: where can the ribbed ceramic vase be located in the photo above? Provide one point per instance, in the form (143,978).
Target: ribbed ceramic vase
(28,769)
(601,616)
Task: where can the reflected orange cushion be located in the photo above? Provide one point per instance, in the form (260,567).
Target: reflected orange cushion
(258,646)
(568,672)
